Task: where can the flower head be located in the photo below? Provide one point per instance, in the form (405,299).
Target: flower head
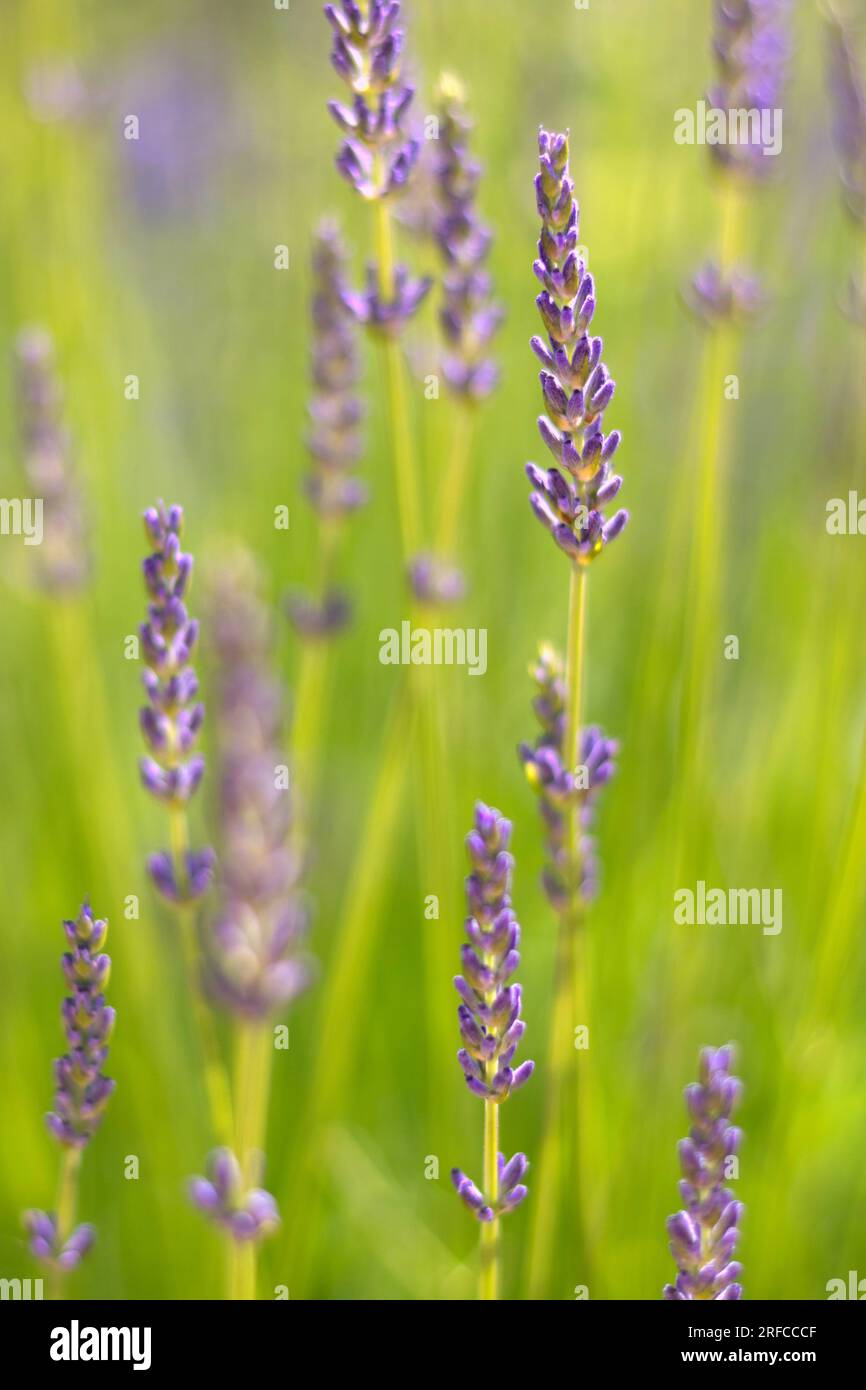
(489,1012)
(751,50)
(559,788)
(83,1091)
(469,316)
(570,499)
(704,1235)
(172,719)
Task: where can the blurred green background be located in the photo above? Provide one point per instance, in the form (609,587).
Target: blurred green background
(156,258)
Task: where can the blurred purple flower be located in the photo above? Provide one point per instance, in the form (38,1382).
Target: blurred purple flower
(64,559)
(469,316)
(246,1215)
(751,49)
(254,961)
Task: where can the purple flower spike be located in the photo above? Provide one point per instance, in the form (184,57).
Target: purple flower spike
(715,297)
(558,787)
(489,1014)
(246,1214)
(46,1246)
(469,316)
(703,1237)
(83,1091)
(63,558)
(255,962)
(750,47)
(171,722)
(377,155)
(570,500)
(334,440)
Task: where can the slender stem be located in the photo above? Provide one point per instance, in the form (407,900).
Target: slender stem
(408,503)
(490,1229)
(216,1080)
(570,992)
(252,1088)
(67,1201)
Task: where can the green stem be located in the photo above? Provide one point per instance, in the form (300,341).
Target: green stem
(67,1200)
(568,987)
(490,1229)
(216,1080)
(252,1089)
(408,503)
(349,963)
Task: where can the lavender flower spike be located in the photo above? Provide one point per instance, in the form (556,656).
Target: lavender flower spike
(567,874)
(377,156)
(82,1090)
(255,962)
(173,717)
(571,499)
(704,1235)
(489,1012)
(246,1215)
(334,439)
(848,95)
(469,316)
(751,50)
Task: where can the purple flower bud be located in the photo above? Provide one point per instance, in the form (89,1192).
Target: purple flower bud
(247,1215)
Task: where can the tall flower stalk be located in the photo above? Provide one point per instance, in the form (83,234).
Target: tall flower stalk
(377,158)
(491,1028)
(170,723)
(468,316)
(82,1093)
(572,501)
(750,49)
(255,961)
(334,445)
(704,1235)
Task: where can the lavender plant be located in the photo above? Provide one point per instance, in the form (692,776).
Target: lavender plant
(64,559)
(469,315)
(172,771)
(334,440)
(572,501)
(491,1027)
(704,1235)
(377,158)
(255,963)
(750,50)
(82,1092)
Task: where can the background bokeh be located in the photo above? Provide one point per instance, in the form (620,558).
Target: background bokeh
(156,258)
